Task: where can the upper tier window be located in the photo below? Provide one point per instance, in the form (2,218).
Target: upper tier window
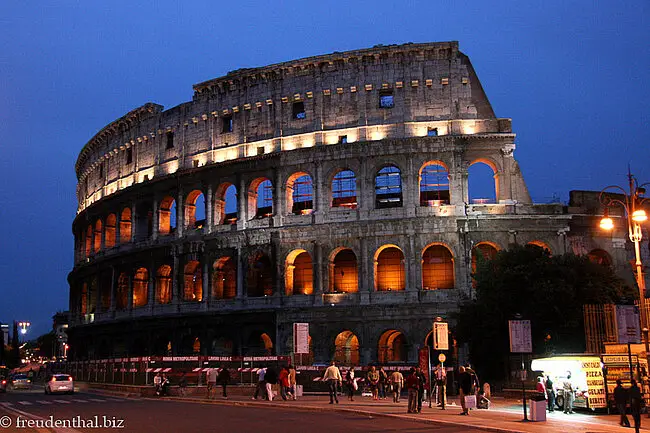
(226,125)
(386,99)
(170,140)
(298,111)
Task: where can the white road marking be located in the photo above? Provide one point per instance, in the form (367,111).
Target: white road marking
(7,404)
(43,402)
(97,400)
(79,400)
(114,399)
(62,401)
(25,403)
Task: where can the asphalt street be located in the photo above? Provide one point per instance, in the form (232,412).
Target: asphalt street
(85,412)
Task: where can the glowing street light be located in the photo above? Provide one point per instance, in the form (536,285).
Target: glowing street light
(23,327)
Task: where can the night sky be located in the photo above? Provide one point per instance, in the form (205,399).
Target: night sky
(573,76)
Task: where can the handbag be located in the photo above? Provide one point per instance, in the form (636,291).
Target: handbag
(470,401)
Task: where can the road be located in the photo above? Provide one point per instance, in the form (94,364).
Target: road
(162,416)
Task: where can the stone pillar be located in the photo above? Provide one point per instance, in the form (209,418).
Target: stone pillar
(319,194)
(366,283)
(412,268)
(318,273)
(130,296)
(242,205)
(209,209)
(151,285)
(240,274)
(156,219)
(279,198)
(113,290)
(134,221)
(180,214)
(176,298)
(206,284)
(118,229)
(411,188)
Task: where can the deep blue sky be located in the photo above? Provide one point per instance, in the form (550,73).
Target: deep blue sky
(573,75)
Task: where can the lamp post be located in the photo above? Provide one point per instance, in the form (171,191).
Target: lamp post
(632,204)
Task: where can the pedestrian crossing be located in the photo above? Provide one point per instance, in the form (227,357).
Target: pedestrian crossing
(49,402)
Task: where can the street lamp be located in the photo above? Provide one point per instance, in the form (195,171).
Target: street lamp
(23,327)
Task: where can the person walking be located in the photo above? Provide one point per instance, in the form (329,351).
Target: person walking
(397,383)
(441,385)
(182,384)
(271,378)
(292,382)
(350,383)
(211,379)
(383,381)
(223,379)
(567,387)
(261,383)
(540,387)
(164,385)
(412,384)
(550,391)
(284,383)
(465,388)
(636,401)
(373,382)
(333,379)
(620,398)
(421,385)
(157,382)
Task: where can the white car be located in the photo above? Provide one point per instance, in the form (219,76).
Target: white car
(59,383)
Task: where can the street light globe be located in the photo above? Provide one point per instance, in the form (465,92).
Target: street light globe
(639,216)
(606,223)
(23,331)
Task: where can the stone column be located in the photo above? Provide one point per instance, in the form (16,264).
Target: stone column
(180,214)
(279,198)
(412,268)
(206,284)
(113,290)
(151,286)
(156,219)
(209,210)
(242,205)
(240,274)
(175,292)
(130,296)
(134,221)
(118,230)
(364,262)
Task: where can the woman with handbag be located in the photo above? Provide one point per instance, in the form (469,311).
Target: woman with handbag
(351,383)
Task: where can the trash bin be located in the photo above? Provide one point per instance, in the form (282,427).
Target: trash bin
(537,411)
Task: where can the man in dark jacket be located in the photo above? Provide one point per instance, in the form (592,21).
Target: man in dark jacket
(620,398)
(421,385)
(465,385)
(271,378)
(635,405)
(224,379)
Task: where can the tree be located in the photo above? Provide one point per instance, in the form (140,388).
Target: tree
(548,290)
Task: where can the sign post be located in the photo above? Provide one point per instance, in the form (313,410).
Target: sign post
(300,340)
(440,343)
(521,342)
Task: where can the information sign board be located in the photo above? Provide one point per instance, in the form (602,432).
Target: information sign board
(520,337)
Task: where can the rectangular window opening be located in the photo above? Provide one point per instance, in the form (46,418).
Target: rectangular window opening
(298,111)
(129,156)
(386,99)
(101,171)
(260,150)
(343,139)
(432,132)
(226,125)
(170,140)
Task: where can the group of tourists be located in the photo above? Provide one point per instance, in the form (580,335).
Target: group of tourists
(269,376)
(631,396)
(216,377)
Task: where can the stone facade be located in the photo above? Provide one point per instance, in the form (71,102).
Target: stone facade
(235,282)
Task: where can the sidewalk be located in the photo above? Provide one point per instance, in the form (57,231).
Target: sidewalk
(503,416)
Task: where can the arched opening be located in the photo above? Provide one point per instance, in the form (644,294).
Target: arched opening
(346,348)
(260,198)
(125,226)
(83,301)
(140,287)
(196,346)
(225,204)
(122,295)
(260,277)
(483,251)
(164,284)
(109,231)
(195,210)
(267,343)
(300,192)
(389,269)
(224,278)
(600,257)
(97,243)
(222,346)
(298,273)
(167,216)
(344,189)
(542,245)
(89,240)
(437,268)
(434,185)
(392,347)
(344,273)
(193,287)
(260,345)
(388,188)
(481,184)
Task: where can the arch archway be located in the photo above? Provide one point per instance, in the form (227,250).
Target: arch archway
(122,293)
(434,184)
(140,287)
(344,271)
(167,216)
(388,187)
(260,276)
(437,268)
(195,210)
(260,345)
(260,198)
(542,245)
(97,240)
(299,279)
(225,204)
(164,284)
(600,257)
(392,347)
(300,194)
(125,226)
(482,251)
(193,287)
(109,231)
(346,348)
(89,240)
(344,189)
(224,278)
(482,182)
(389,269)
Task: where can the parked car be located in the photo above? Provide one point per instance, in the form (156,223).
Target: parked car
(59,383)
(20,381)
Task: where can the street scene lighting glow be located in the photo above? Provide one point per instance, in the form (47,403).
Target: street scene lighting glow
(639,216)
(606,223)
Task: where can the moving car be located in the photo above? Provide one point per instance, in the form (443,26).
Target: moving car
(3,384)
(59,383)
(20,381)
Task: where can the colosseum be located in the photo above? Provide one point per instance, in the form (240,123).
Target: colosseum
(331,190)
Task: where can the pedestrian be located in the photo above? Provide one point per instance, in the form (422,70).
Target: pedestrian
(261,383)
(540,387)
(465,388)
(157,381)
(223,379)
(550,391)
(383,379)
(397,383)
(373,382)
(164,385)
(333,379)
(292,382)
(211,379)
(441,385)
(421,385)
(620,398)
(412,384)
(284,383)
(635,405)
(350,383)
(182,384)
(567,388)
(271,378)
